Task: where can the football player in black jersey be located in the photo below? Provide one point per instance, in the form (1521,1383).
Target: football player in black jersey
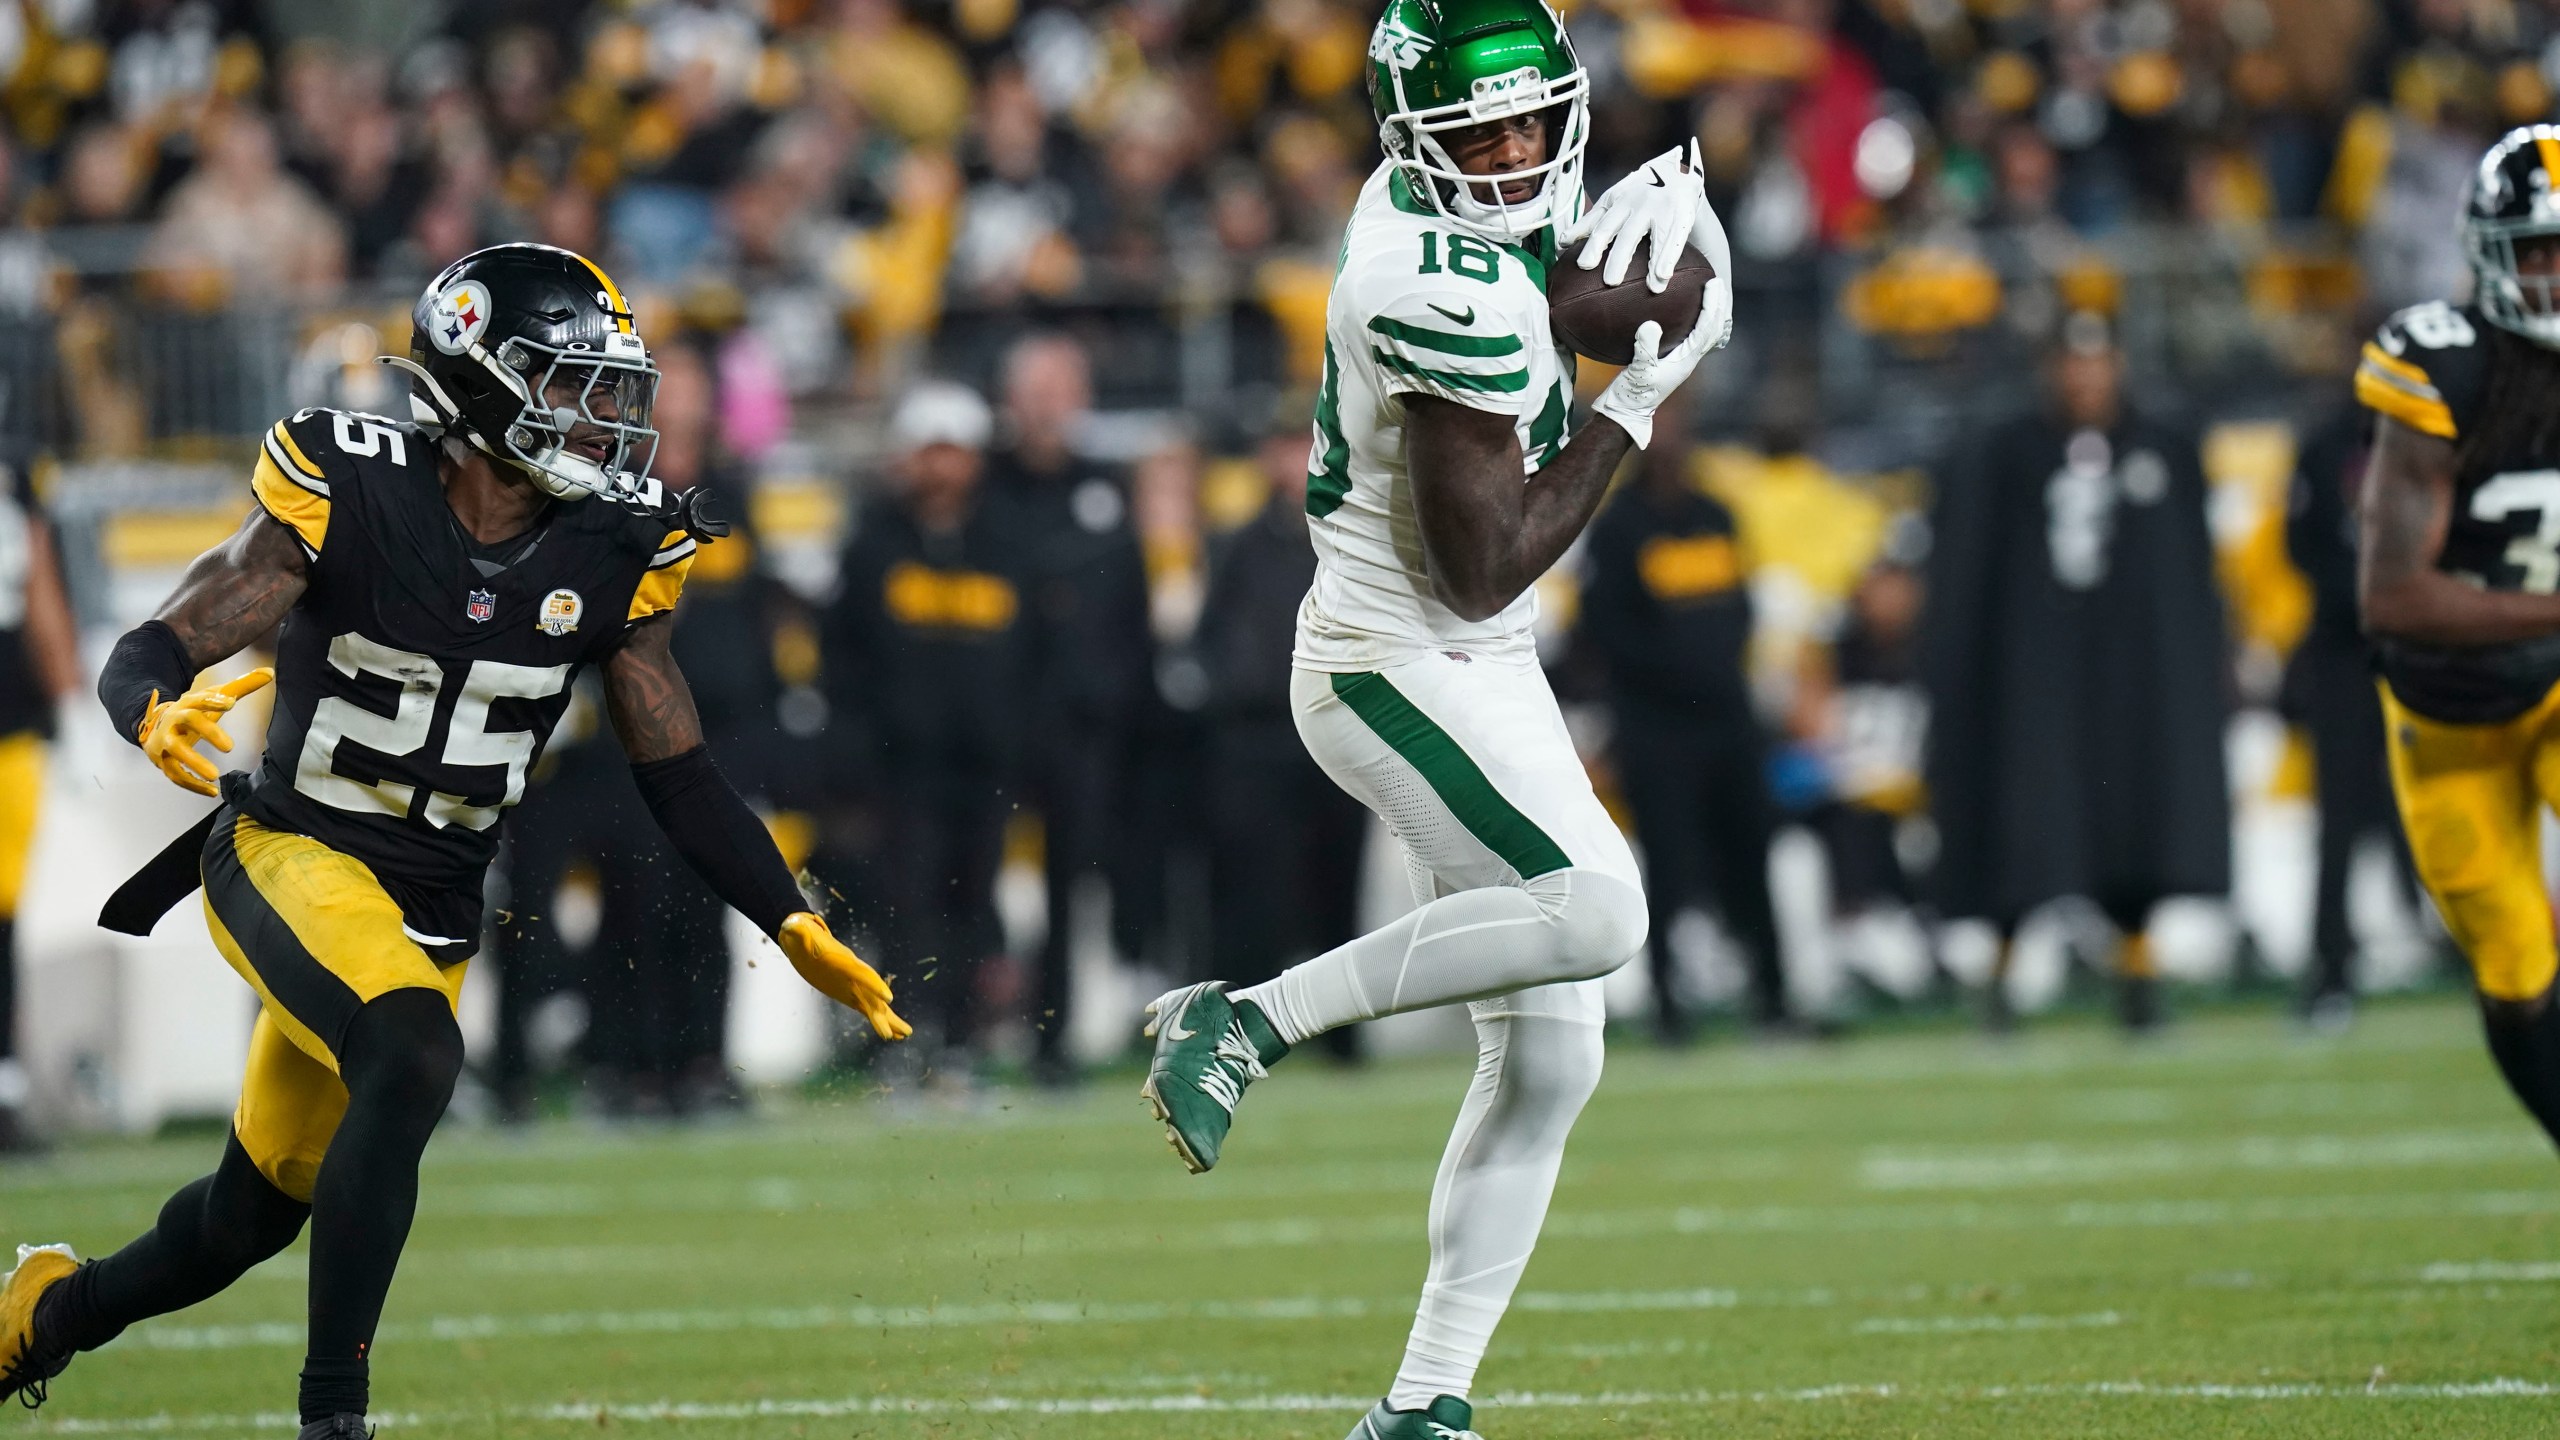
(2459,579)
(439,582)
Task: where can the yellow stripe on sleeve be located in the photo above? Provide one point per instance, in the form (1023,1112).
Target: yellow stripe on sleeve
(294,452)
(659,589)
(305,510)
(2381,391)
(2391,364)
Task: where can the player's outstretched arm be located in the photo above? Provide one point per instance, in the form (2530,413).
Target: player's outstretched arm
(2401,520)
(237,592)
(231,596)
(1487,536)
(712,827)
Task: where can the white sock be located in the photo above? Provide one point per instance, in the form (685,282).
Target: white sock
(1534,1070)
(1569,924)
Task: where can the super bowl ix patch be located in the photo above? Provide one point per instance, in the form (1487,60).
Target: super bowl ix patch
(561,610)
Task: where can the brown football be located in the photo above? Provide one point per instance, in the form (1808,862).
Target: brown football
(1599,320)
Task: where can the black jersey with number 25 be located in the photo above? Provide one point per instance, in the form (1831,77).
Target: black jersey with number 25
(2429,369)
(415,688)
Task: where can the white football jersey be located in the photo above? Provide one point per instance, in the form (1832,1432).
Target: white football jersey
(1419,306)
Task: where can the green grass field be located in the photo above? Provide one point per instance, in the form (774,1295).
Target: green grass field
(2232,1232)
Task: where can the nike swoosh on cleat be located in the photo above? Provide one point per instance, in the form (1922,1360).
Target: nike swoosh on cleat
(1177,1034)
(1469,318)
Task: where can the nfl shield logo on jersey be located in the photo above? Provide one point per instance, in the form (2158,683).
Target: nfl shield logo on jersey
(481,605)
(559,613)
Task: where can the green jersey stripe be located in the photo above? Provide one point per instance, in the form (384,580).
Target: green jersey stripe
(1444,342)
(1329,483)
(1451,774)
(1546,433)
(1509,382)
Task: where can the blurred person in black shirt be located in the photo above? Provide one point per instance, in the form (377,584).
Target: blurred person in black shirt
(1086,629)
(1862,712)
(2075,657)
(660,968)
(1666,606)
(39,664)
(655,978)
(1160,863)
(928,649)
(2329,691)
(1284,841)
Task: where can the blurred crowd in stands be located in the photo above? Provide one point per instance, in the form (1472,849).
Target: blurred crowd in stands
(838,195)
(1008,314)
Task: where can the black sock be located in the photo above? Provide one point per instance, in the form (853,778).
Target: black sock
(335,1387)
(209,1234)
(8,989)
(2524,1036)
(400,1058)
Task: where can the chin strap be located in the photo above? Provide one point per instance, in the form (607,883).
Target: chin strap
(437,409)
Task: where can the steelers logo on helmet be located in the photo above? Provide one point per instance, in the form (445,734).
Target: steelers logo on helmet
(458,316)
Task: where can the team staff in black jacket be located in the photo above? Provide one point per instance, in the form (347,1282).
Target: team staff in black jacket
(927,650)
(1085,604)
(39,664)
(2329,691)
(1284,840)
(1666,607)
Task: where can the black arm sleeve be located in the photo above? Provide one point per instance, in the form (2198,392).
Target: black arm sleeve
(149,661)
(715,832)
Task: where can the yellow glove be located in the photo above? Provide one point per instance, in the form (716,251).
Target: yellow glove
(833,970)
(171,728)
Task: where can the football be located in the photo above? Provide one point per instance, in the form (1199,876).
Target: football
(1593,318)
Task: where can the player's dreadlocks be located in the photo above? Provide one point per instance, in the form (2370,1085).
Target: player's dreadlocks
(2519,412)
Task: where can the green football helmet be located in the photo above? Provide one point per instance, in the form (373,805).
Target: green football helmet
(1441,65)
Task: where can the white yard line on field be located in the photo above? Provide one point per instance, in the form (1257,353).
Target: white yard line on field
(1397,1226)
(1984,1324)
(919,1317)
(2472,1272)
(641,1412)
(2005,1166)
(1604,1225)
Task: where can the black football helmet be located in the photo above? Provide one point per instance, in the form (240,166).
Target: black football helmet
(527,353)
(2515,195)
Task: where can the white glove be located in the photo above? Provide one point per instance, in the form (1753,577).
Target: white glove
(1663,202)
(1651,376)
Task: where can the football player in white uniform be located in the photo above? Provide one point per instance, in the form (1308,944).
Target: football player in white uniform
(1443,484)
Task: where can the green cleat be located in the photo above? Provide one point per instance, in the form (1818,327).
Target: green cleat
(1446,1418)
(1207,1050)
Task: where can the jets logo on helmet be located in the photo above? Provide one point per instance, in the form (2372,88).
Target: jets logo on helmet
(2513,204)
(1394,44)
(1439,66)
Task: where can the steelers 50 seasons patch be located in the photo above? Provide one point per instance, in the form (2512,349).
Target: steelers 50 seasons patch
(560,613)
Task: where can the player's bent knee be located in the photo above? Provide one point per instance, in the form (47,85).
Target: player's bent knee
(407,1044)
(1555,1061)
(1600,920)
(245,1217)
(2514,973)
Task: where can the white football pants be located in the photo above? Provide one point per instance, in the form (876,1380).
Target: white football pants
(1527,895)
